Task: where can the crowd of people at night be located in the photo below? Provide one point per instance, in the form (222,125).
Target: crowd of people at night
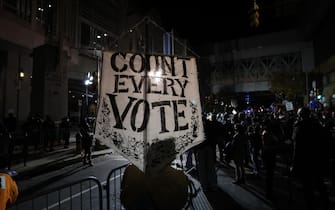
(303,139)
(42,135)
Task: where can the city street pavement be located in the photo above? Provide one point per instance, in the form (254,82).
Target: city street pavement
(228,196)
(233,197)
(251,195)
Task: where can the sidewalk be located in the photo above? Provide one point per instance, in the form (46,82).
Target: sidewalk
(241,194)
(231,196)
(38,164)
(288,193)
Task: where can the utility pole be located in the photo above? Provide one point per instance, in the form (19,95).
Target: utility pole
(20,76)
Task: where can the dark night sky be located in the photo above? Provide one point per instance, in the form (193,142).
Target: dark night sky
(201,22)
(198,24)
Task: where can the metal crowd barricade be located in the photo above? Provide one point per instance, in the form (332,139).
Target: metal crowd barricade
(84,194)
(113,190)
(113,187)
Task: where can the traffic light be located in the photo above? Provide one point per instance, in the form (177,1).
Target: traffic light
(254,19)
(254,15)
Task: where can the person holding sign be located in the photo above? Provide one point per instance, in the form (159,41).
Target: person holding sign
(146,99)
(150,112)
(161,187)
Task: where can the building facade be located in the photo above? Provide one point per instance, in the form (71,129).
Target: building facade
(320,29)
(254,67)
(58,44)
(54,43)
(251,68)
(22,29)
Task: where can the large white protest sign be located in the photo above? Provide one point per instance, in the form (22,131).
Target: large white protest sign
(149,107)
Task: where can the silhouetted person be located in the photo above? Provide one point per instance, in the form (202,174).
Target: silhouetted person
(65,131)
(87,140)
(206,157)
(227,132)
(49,128)
(36,126)
(4,146)
(10,123)
(159,186)
(309,160)
(239,143)
(78,143)
(10,127)
(28,138)
(269,152)
(255,145)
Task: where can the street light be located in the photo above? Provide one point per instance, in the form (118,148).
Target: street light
(18,89)
(88,81)
(21,74)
